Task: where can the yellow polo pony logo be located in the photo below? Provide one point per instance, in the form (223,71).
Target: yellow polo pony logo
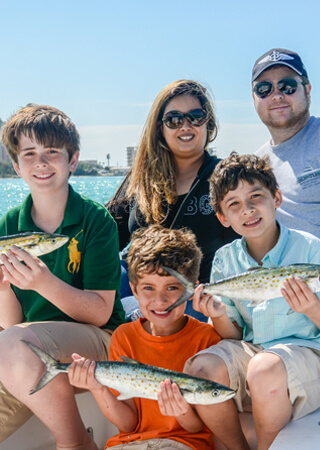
(74,255)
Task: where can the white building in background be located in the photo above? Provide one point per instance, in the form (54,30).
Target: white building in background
(131,153)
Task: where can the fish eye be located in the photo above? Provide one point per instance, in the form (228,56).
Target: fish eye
(215,393)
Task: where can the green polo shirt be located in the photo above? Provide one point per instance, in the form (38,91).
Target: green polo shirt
(90,259)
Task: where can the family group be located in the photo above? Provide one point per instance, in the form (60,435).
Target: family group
(182,208)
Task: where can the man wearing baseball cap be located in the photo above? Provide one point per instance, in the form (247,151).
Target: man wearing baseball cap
(281,92)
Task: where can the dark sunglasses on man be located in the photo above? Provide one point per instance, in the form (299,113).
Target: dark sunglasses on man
(175,119)
(287,86)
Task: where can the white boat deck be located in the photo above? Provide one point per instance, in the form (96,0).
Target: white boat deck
(33,435)
(303,434)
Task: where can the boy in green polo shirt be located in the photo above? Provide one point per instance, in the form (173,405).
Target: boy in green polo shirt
(65,301)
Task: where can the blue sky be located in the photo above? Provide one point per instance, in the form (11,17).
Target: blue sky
(104,61)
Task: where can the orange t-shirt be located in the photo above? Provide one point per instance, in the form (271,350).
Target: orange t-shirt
(169,352)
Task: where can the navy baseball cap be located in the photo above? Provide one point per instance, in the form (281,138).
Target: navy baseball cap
(279,57)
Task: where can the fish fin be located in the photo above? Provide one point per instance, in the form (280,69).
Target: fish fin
(50,363)
(183,298)
(188,285)
(124,397)
(129,360)
(255,268)
(181,278)
(184,390)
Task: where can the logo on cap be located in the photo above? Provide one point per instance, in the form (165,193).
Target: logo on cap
(275,56)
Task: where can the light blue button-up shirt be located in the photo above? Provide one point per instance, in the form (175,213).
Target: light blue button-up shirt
(269,323)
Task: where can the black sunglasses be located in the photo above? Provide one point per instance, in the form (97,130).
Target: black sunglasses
(287,86)
(175,119)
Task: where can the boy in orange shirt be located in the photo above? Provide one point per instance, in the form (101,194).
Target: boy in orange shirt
(159,338)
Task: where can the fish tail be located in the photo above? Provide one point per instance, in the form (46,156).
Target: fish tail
(53,367)
(188,285)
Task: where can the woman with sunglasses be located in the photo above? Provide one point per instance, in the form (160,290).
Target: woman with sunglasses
(168,182)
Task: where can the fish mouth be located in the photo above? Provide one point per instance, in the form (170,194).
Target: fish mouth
(229,395)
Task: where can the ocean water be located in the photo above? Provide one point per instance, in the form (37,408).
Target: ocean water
(14,190)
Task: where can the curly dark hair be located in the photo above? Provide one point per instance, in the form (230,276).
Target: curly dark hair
(230,171)
(156,246)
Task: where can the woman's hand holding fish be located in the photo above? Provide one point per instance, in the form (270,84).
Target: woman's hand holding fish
(81,373)
(172,403)
(301,299)
(207,304)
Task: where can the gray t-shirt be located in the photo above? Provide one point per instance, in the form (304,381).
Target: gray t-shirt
(296,164)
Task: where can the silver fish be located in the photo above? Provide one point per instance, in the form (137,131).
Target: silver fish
(133,379)
(35,243)
(257,285)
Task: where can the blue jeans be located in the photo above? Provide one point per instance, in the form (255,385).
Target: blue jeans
(125,289)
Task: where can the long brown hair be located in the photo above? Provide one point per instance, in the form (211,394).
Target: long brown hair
(151,181)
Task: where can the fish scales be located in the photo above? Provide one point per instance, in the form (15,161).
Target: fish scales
(265,283)
(133,379)
(140,379)
(257,285)
(35,243)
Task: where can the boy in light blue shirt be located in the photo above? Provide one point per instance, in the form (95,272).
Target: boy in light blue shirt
(270,353)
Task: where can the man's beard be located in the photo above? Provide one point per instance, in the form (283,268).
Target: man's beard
(297,119)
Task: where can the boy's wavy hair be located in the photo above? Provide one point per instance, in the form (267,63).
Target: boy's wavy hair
(228,172)
(45,124)
(156,246)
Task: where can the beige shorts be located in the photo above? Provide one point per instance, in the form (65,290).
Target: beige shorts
(60,340)
(152,444)
(302,365)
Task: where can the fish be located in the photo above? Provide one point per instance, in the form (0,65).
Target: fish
(257,285)
(134,379)
(35,243)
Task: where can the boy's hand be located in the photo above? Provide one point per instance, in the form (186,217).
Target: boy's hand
(4,283)
(207,304)
(81,373)
(171,401)
(300,297)
(30,275)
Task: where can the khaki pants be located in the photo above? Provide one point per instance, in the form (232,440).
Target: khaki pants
(60,340)
(153,444)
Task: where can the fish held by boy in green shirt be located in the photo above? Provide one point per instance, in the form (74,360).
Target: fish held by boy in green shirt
(67,298)
(36,244)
